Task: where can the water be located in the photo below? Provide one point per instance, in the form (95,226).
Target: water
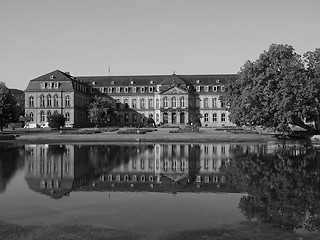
(161,187)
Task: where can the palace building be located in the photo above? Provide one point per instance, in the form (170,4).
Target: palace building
(167,99)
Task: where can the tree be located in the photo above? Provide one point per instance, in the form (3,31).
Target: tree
(56,120)
(278,89)
(101,110)
(8,106)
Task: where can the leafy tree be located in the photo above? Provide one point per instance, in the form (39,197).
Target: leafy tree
(8,106)
(278,89)
(101,111)
(56,120)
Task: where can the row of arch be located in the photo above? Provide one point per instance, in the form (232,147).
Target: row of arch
(43,115)
(49,101)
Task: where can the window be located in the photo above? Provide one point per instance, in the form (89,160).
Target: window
(49,100)
(197,102)
(126,103)
(165,102)
(222,88)
(214,117)
(126,118)
(198,88)
(56,85)
(142,89)
(110,90)
(150,103)
(142,118)
(142,103)
(134,118)
(206,117)
(150,89)
(206,103)
(118,89)
(174,102)
(31,117)
(48,113)
(214,102)
(126,89)
(67,116)
(157,103)
(42,118)
(206,88)
(157,117)
(134,103)
(67,101)
(214,88)
(182,102)
(134,89)
(42,101)
(56,100)
(49,85)
(223,117)
(31,101)
(222,103)
(43,85)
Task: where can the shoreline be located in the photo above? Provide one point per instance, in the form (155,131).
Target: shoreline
(161,135)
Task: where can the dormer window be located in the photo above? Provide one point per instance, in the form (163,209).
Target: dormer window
(134,89)
(142,89)
(222,88)
(94,83)
(126,89)
(49,85)
(110,90)
(218,80)
(118,89)
(132,82)
(43,85)
(198,88)
(215,88)
(206,88)
(151,82)
(51,77)
(113,82)
(56,85)
(198,81)
(150,89)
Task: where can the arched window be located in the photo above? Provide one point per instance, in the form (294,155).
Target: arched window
(67,101)
(214,102)
(67,116)
(223,117)
(206,103)
(49,101)
(134,103)
(174,102)
(142,103)
(165,102)
(42,117)
(126,118)
(31,117)
(182,102)
(31,101)
(222,103)
(126,103)
(56,100)
(214,117)
(206,117)
(42,101)
(150,103)
(157,103)
(48,113)
(157,117)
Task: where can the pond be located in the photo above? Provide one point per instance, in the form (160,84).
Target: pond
(160,188)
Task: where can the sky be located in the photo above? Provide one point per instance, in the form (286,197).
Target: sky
(147,37)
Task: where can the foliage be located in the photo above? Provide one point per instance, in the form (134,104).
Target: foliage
(101,111)
(282,186)
(8,106)
(56,120)
(278,89)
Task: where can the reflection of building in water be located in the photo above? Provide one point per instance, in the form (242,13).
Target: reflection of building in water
(57,170)
(170,167)
(52,169)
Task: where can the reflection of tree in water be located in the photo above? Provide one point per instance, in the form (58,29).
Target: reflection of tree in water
(9,163)
(283,186)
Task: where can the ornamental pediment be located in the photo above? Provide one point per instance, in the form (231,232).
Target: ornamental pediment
(175,90)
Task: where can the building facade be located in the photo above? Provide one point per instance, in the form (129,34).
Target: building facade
(167,99)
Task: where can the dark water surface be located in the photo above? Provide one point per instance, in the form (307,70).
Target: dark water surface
(161,187)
